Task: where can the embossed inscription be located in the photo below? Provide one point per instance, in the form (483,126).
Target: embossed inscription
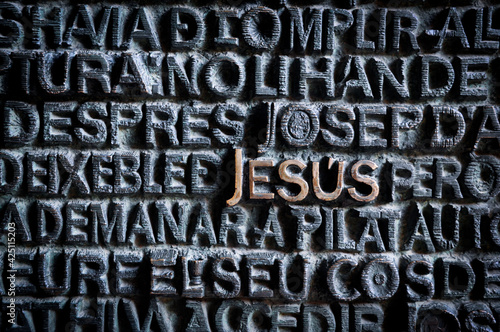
(244,166)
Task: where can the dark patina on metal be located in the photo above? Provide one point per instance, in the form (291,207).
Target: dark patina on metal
(250,165)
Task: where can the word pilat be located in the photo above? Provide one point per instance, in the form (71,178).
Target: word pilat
(423,227)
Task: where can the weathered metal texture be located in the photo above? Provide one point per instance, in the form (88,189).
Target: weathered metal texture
(263,165)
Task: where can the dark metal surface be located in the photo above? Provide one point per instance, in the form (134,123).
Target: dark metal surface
(261,165)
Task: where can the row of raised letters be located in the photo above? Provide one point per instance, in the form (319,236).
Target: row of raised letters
(421,228)
(80,174)
(155,125)
(229,75)
(123,314)
(290,29)
(261,275)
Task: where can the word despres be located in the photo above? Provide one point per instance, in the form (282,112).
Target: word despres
(157,125)
(146,58)
(271,166)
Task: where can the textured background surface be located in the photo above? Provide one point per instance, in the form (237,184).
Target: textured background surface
(362,139)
